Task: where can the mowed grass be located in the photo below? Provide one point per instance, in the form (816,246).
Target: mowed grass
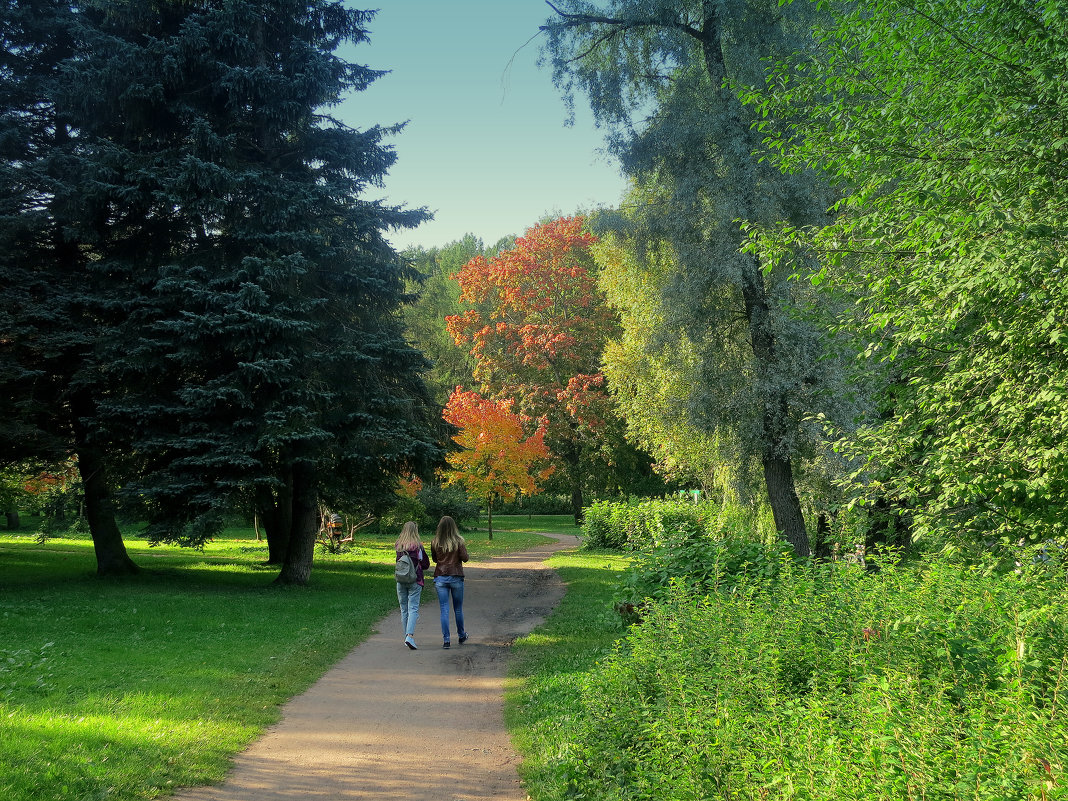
(548,677)
(530,524)
(131,688)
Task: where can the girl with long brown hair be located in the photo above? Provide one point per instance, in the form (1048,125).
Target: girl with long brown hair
(450,552)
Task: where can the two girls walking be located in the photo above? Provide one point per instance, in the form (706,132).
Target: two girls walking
(450,552)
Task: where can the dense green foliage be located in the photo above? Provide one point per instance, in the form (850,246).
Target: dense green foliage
(943,123)
(651,368)
(552,665)
(939,681)
(636,524)
(640,523)
(753,675)
(721,328)
(437,296)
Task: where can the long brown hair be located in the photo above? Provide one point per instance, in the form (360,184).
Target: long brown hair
(447,537)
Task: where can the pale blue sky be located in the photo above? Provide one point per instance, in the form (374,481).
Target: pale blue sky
(486,147)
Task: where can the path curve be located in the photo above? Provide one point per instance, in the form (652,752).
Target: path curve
(390,723)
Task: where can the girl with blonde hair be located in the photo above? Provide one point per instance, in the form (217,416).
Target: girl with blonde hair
(450,552)
(409,594)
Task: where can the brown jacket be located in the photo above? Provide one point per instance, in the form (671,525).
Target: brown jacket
(448,564)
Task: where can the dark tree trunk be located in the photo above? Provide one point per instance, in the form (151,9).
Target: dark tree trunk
(489,515)
(296,568)
(13,522)
(778,466)
(111,556)
(889,526)
(577,502)
(276,513)
(573,459)
(823,550)
(782,495)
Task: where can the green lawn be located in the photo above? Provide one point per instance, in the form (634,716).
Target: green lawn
(554,524)
(125,689)
(551,665)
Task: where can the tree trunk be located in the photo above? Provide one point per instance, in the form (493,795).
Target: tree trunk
(789,520)
(573,460)
(887,526)
(13,522)
(111,556)
(276,512)
(823,550)
(778,466)
(489,514)
(577,502)
(296,568)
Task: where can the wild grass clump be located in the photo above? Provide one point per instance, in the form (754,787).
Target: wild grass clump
(699,560)
(926,680)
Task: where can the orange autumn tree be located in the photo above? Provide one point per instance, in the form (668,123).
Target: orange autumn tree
(536,326)
(496,458)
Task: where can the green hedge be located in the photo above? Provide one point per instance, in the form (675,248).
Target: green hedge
(638,524)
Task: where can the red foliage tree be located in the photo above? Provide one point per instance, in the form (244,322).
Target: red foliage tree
(496,458)
(536,326)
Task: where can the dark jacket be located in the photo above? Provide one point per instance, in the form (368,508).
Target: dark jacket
(449,564)
(421,561)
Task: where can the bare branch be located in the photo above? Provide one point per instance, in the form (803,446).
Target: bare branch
(624,25)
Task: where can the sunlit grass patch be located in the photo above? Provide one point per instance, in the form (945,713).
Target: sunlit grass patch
(128,688)
(552,664)
(198,642)
(554,524)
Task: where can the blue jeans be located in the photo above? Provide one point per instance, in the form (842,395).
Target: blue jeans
(451,587)
(409,595)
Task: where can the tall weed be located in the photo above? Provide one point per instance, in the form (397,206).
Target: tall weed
(923,681)
(699,561)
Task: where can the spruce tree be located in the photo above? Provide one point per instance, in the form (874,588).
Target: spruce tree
(245,339)
(55,213)
(269,359)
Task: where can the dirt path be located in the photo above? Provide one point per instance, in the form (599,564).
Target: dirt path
(390,723)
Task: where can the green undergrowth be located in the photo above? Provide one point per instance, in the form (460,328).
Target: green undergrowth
(130,688)
(926,680)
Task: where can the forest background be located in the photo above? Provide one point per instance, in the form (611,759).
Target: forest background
(831,301)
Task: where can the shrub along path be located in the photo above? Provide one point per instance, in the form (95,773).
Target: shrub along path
(388,723)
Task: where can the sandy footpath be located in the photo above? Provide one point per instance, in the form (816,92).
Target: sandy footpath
(390,723)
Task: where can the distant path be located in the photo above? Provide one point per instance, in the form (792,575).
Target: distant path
(389,723)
